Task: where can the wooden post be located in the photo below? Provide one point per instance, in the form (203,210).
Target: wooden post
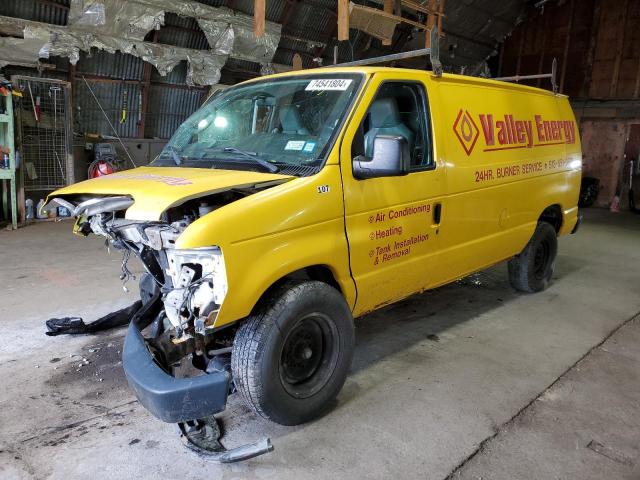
(431,22)
(297,62)
(388,7)
(259,8)
(343,20)
(440,17)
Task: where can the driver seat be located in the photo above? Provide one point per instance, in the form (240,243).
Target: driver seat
(291,121)
(384,119)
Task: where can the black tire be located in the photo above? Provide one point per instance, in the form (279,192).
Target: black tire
(532,269)
(291,357)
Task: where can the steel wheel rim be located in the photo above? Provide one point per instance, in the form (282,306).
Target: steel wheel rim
(309,355)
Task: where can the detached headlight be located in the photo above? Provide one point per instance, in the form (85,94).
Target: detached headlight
(199,282)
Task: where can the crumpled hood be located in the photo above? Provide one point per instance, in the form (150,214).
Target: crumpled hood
(155,189)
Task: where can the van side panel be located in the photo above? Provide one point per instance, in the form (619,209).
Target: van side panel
(510,152)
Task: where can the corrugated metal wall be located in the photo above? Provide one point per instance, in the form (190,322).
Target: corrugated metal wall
(168,108)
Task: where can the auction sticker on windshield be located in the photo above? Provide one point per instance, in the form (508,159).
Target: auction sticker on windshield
(329,84)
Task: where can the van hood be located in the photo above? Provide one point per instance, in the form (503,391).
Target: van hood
(156,189)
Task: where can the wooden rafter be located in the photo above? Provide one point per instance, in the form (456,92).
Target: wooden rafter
(388,8)
(431,23)
(259,12)
(382,13)
(429,10)
(343,20)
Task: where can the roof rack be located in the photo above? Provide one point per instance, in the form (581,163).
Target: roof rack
(552,76)
(433,53)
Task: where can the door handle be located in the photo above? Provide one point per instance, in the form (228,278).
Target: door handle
(437,213)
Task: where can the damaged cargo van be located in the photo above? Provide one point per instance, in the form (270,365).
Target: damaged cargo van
(288,205)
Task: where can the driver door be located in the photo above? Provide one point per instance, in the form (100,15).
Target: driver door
(392,223)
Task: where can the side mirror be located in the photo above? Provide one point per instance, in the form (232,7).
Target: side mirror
(390,159)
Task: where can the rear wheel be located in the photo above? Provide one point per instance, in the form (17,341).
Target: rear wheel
(291,358)
(532,269)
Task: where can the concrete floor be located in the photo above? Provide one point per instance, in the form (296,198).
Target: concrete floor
(470,381)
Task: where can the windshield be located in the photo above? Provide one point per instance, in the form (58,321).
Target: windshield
(284,125)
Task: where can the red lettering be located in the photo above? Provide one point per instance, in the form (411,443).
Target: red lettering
(487,127)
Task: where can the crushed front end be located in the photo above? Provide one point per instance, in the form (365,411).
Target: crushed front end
(175,362)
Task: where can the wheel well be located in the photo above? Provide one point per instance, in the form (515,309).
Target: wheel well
(553,216)
(321,273)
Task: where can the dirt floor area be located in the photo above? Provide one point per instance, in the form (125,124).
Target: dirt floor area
(472,380)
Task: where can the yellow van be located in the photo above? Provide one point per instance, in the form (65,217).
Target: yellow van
(290,204)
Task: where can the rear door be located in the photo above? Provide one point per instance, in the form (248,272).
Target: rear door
(393,222)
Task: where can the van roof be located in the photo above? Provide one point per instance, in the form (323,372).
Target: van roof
(478,81)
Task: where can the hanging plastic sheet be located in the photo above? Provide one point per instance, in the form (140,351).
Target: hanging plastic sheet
(116,18)
(220,35)
(204,68)
(23,51)
(114,25)
(215,20)
(88,13)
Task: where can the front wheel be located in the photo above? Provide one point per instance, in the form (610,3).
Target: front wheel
(532,269)
(291,357)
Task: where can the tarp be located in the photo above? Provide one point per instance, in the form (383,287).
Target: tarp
(22,51)
(114,25)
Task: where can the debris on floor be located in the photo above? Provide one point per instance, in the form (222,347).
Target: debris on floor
(76,325)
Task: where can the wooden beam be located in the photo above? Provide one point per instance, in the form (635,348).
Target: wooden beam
(412,5)
(109,80)
(343,20)
(297,62)
(259,9)
(440,17)
(388,8)
(567,42)
(382,13)
(613,90)
(431,22)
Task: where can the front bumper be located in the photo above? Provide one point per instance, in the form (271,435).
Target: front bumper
(168,398)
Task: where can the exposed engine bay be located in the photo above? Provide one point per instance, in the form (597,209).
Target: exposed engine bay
(192,283)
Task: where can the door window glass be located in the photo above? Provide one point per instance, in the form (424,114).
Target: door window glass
(398,109)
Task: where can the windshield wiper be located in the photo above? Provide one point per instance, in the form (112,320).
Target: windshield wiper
(252,156)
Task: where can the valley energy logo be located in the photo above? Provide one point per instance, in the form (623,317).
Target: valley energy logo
(507,132)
